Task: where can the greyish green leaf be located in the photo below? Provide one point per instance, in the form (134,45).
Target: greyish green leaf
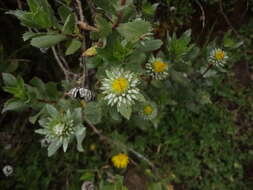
(125,110)
(150,45)
(13,105)
(47,40)
(9,79)
(93,112)
(53,147)
(51,110)
(80,135)
(132,31)
(65,144)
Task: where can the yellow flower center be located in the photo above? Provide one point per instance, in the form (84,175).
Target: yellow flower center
(120,160)
(219,55)
(159,66)
(148,110)
(120,85)
(93,147)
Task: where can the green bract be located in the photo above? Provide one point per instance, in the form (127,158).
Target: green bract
(61,127)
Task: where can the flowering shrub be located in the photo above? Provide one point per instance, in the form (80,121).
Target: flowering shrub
(123,89)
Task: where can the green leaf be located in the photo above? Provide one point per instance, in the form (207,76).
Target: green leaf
(150,45)
(80,135)
(53,147)
(93,112)
(132,31)
(30,35)
(47,40)
(26,18)
(65,144)
(155,186)
(9,79)
(63,12)
(140,97)
(34,118)
(13,105)
(106,5)
(69,25)
(73,47)
(51,110)
(125,110)
(33,5)
(104,27)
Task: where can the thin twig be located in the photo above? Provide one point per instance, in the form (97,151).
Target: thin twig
(109,140)
(19,4)
(203,16)
(60,63)
(207,69)
(119,15)
(64,61)
(82,59)
(227,20)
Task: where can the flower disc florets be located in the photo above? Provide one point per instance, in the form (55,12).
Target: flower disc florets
(120,160)
(120,87)
(64,129)
(59,130)
(157,68)
(218,57)
(148,110)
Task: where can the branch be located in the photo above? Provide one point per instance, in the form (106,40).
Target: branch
(80,9)
(60,63)
(203,16)
(85,26)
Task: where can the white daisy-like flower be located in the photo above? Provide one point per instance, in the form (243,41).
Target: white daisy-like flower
(120,87)
(148,110)
(157,68)
(218,57)
(7,170)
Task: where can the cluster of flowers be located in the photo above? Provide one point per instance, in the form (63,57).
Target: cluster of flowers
(121,86)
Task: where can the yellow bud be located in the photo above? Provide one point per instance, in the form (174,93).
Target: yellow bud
(92,51)
(93,147)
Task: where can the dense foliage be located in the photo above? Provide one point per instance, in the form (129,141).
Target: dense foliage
(127,94)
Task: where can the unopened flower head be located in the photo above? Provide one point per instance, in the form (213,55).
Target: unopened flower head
(157,68)
(120,87)
(64,129)
(7,170)
(120,160)
(218,57)
(148,110)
